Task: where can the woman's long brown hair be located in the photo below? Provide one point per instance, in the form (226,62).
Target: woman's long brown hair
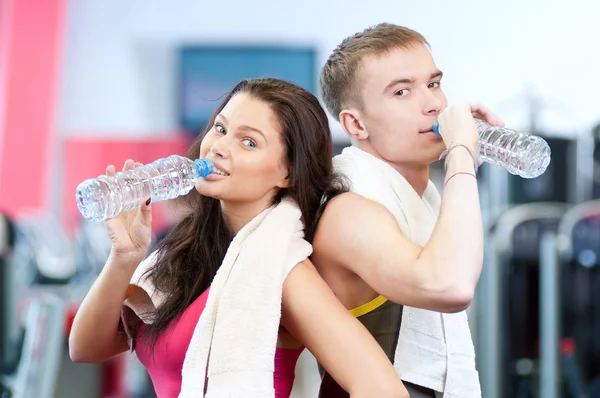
(191,253)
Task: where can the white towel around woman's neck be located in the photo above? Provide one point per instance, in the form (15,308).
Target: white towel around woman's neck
(234,342)
(434,350)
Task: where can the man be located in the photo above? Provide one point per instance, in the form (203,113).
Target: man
(408,276)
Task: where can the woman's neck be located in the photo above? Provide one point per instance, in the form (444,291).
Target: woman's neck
(238,214)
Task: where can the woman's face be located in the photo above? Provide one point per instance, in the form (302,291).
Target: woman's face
(246,145)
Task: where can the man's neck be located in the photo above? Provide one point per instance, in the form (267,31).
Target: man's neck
(416,175)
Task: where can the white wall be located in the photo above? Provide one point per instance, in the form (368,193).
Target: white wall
(118,76)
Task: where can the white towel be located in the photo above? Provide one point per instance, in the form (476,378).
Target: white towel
(434,350)
(236,336)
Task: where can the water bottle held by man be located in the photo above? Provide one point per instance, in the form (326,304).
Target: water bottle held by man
(520,153)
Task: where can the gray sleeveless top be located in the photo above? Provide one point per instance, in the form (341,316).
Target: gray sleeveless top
(382,319)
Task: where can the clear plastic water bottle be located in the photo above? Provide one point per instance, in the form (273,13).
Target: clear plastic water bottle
(167,178)
(519,153)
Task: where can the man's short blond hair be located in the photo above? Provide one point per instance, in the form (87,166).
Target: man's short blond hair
(339,82)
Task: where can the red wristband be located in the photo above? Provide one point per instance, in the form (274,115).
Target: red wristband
(457,173)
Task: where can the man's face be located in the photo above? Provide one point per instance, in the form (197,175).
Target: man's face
(401,98)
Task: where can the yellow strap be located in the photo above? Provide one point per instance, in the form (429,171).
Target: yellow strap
(368,307)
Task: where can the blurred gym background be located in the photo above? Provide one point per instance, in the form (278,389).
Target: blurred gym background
(88,83)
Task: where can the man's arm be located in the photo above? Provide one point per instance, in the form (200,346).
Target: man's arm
(362,236)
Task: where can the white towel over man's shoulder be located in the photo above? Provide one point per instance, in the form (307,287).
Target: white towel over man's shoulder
(434,350)
(235,339)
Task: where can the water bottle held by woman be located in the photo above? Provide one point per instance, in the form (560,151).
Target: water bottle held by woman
(167,178)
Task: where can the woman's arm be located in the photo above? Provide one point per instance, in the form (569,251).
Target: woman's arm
(95,335)
(314,316)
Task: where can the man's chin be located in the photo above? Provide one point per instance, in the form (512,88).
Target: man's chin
(437,152)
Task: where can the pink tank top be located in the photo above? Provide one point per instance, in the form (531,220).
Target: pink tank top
(165,364)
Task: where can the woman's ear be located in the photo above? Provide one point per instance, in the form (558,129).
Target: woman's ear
(285,180)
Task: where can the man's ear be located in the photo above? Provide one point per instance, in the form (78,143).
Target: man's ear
(351,122)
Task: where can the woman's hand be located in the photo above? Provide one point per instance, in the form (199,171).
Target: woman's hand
(131,231)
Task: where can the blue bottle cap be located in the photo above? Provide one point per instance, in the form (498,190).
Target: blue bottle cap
(204,167)
(436,127)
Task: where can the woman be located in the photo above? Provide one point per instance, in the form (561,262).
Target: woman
(272,145)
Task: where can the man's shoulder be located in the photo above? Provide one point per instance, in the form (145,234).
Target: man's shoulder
(349,206)
(346,219)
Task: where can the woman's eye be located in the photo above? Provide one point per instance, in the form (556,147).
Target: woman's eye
(248,142)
